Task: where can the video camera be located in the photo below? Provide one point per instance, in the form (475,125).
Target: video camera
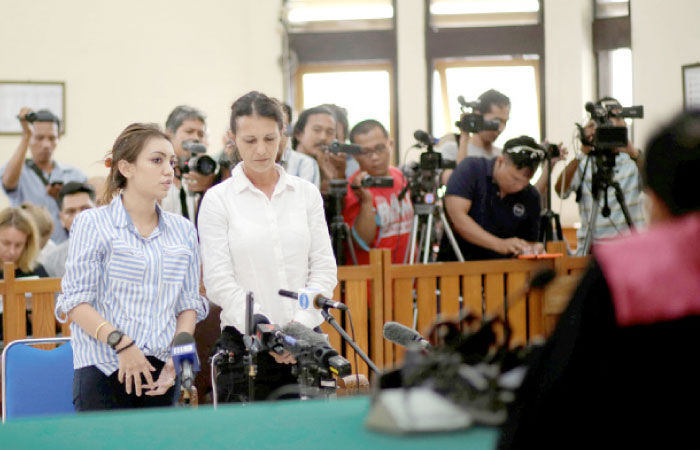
(377,182)
(317,356)
(199,162)
(338,147)
(472,122)
(607,134)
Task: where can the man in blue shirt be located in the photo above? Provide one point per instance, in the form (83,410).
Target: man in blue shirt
(38,179)
(492,207)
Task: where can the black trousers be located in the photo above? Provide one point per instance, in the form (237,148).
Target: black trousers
(95,391)
(232,377)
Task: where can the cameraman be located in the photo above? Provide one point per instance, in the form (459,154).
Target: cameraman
(38,179)
(578,176)
(185,124)
(314,131)
(375,215)
(493,209)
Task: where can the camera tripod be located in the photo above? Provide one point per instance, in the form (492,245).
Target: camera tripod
(423,218)
(339,230)
(549,220)
(602,179)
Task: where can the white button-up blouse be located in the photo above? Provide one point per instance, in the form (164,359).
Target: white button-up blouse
(250,242)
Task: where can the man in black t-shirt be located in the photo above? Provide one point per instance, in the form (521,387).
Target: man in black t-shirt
(492,208)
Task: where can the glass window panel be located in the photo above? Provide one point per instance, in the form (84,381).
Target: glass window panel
(335,15)
(611,8)
(475,13)
(365,94)
(518,82)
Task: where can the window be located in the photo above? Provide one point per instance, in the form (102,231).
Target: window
(605,9)
(517,78)
(366,91)
(338,15)
(480,13)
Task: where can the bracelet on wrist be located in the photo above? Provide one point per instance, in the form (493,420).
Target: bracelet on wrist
(130,344)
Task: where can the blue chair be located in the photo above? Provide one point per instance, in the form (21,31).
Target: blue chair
(37,382)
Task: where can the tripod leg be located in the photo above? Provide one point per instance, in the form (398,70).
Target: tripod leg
(428,238)
(351,248)
(591,226)
(412,246)
(450,236)
(620,196)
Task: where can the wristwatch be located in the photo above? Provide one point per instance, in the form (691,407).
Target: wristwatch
(114,338)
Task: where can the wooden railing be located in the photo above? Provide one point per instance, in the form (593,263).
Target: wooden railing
(376,293)
(39,303)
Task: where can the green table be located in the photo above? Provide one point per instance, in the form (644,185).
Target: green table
(336,424)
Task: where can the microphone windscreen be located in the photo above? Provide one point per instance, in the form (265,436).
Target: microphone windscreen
(304,333)
(183,338)
(400,334)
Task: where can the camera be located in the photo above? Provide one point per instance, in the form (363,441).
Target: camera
(552,150)
(338,147)
(377,182)
(607,135)
(470,121)
(200,162)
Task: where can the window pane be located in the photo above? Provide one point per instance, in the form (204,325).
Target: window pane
(476,13)
(611,8)
(335,15)
(365,94)
(519,83)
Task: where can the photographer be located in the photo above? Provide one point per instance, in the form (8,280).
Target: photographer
(491,205)
(38,179)
(314,131)
(186,126)
(577,177)
(374,214)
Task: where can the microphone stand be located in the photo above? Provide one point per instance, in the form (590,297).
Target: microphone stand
(250,358)
(331,320)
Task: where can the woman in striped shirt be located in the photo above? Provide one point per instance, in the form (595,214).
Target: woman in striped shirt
(131,282)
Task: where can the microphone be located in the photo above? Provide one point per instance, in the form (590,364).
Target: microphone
(308,297)
(423,137)
(404,336)
(184,353)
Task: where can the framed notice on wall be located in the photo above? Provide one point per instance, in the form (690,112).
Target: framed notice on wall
(14,95)
(691,86)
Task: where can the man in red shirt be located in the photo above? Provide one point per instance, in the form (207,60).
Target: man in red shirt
(375,215)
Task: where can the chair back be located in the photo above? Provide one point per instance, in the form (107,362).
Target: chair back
(37,382)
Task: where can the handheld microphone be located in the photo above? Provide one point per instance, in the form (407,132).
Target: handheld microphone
(184,353)
(423,137)
(308,297)
(404,336)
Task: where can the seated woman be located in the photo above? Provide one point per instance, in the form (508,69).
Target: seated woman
(131,282)
(262,230)
(44,224)
(19,245)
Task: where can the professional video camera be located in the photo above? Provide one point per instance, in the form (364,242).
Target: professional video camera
(607,134)
(199,162)
(316,360)
(472,122)
(377,182)
(422,178)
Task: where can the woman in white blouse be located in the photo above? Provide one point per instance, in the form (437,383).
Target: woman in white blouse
(262,230)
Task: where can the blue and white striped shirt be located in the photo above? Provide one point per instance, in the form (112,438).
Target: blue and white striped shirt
(139,285)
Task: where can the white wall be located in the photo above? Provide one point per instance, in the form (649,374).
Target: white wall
(127,61)
(413,99)
(665,36)
(570,80)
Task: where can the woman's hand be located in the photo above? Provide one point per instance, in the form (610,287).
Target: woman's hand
(133,364)
(284,358)
(165,381)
